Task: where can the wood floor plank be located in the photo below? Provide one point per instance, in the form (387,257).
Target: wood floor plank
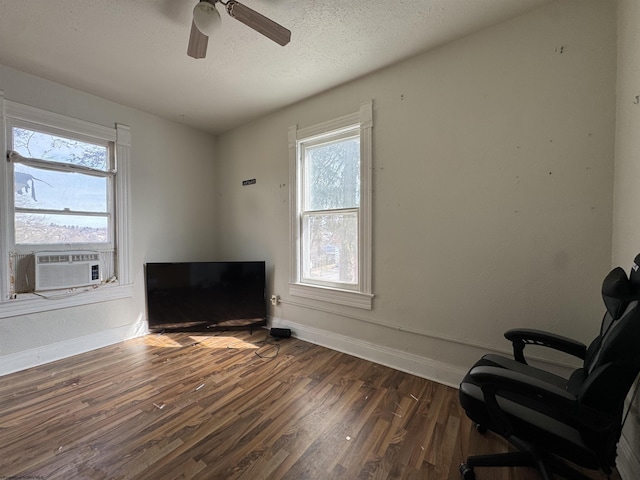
(206,406)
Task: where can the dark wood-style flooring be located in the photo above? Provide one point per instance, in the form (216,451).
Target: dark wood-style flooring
(206,406)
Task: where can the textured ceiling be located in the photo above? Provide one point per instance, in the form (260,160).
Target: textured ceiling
(134,51)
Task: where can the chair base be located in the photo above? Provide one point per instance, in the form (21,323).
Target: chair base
(546,465)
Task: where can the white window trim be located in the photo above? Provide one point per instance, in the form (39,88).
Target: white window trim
(123,288)
(363,297)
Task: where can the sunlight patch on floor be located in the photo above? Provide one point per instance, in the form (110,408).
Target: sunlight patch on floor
(226,342)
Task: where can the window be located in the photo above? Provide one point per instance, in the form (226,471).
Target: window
(61,189)
(64,189)
(331,214)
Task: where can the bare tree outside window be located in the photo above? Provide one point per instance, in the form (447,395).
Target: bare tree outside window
(330,211)
(29,143)
(61,189)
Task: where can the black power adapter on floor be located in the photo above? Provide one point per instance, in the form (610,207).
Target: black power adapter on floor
(280,332)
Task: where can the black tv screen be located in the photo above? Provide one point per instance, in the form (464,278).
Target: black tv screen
(205,295)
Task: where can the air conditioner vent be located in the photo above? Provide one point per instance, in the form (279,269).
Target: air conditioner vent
(57,270)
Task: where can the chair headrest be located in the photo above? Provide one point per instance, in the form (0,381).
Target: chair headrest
(617,290)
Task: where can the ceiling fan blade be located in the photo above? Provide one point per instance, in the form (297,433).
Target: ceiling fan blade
(259,22)
(197,43)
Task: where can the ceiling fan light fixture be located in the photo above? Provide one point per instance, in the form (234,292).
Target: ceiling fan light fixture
(206,18)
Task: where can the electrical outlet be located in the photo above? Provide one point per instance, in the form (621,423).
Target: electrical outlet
(275,299)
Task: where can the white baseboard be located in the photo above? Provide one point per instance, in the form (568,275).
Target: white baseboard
(15,362)
(403,361)
(628,463)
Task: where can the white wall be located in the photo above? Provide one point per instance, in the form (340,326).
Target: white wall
(172,176)
(626,227)
(493,179)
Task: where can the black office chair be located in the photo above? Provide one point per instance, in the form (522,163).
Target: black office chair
(551,420)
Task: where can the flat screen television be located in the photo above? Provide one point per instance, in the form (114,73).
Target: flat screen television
(197,296)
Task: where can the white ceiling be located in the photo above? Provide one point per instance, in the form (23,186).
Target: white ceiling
(134,51)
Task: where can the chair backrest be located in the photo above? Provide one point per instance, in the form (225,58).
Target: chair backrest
(612,361)
(616,293)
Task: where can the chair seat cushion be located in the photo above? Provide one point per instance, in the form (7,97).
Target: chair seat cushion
(529,424)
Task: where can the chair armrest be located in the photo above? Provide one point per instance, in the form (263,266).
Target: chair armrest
(520,337)
(503,379)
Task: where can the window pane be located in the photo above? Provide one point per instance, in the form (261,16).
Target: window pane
(55,229)
(51,190)
(44,146)
(331,250)
(332,175)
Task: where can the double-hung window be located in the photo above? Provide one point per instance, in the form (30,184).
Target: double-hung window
(62,188)
(331,213)
(65,193)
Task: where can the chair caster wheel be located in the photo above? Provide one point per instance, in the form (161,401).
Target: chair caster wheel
(467,472)
(481,429)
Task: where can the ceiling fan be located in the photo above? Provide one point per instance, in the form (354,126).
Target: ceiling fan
(206,18)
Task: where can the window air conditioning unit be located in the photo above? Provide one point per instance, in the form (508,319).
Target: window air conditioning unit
(58,270)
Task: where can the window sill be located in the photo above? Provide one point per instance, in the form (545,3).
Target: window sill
(27,303)
(332,295)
